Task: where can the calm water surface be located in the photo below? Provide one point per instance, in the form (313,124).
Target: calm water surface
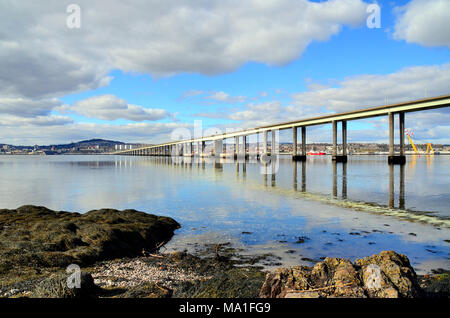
(352,210)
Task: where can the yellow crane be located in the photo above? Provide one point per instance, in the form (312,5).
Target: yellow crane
(409,133)
(429,148)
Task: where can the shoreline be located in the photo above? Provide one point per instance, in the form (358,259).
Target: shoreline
(119,255)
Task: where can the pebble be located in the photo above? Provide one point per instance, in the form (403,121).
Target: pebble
(134,272)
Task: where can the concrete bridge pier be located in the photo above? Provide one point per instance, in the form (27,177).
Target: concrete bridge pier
(265,152)
(203,149)
(236,147)
(191,149)
(197,149)
(257,155)
(218,148)
(243,150)
(343,156)
(393,158)
(295,155)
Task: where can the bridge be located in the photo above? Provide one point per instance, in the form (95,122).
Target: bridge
(197,146)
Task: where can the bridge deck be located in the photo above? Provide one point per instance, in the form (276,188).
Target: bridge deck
(411,106)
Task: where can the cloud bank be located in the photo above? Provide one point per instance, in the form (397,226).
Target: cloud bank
(425,22)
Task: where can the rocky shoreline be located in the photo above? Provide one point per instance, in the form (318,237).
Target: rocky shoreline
(119,255)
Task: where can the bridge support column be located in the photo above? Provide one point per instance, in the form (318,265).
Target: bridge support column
(401,117)
(344,139)
(218,148)
(396,159)
(304,142)
(335,156)
(265,143)
(295,155)
(244,146)
(236,147)
(273,144)
(203,148)
(257,146)
(334,129)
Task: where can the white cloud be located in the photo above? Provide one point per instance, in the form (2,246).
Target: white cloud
(361,91)
(425,22)
(40,56)
(53,134)
(16,121)
(25,107)
(226,98)
(41,59)
(358,92)
(110,107)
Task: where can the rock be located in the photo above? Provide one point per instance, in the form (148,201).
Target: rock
(35,240)
(147,290)
(387,275)
(232,283)
(396,276)
(436,285)
(56,286)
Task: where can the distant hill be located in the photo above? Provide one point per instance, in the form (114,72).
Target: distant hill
(89,143)
(78,144)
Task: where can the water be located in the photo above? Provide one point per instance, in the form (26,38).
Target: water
(352,210)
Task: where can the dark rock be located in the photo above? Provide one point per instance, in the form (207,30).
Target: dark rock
(387,275)
(35,240)
(302,239)
(147,290)
(436,285)
(56,286)
(232,283)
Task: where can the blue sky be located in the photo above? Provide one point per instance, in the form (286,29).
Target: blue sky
(265,79)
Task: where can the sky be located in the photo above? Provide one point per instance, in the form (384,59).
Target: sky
(144,71)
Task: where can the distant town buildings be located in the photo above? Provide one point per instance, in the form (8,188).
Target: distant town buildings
(99,146)
(95,146)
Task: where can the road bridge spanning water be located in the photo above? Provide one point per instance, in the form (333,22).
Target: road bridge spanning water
(197,146)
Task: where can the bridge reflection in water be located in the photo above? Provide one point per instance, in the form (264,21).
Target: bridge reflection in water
(339,185)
